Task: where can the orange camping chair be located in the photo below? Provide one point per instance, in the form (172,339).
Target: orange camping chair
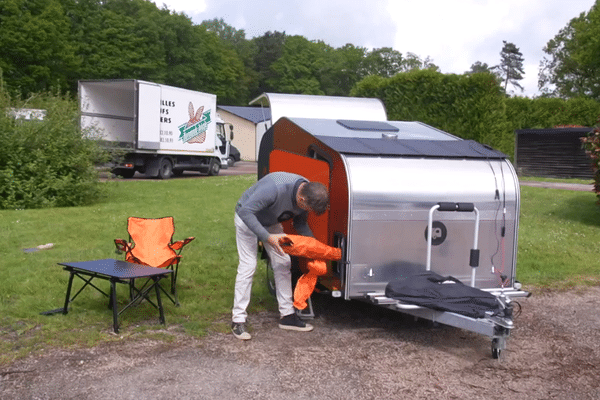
(151,243)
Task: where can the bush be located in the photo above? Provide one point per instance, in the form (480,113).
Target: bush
(470,106)
(541,112)
(591,144)
(46,163)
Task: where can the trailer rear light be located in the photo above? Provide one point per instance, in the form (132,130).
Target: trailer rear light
(128,165)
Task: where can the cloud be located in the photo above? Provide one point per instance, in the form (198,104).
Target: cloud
(454,33)
(336,22)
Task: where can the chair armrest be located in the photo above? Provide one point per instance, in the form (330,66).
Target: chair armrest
(122,246)
(178,245)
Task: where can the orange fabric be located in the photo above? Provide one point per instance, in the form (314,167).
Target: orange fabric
(317,252)
(152,238)
(308,247)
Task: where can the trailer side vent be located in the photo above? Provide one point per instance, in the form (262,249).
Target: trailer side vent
(371,126)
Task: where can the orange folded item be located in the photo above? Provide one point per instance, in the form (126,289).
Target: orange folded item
(318,253)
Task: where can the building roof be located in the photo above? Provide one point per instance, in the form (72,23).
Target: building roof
(253,114)
(555,131)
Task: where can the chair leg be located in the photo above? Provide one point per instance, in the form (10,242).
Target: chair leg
(174,284)
(131,287)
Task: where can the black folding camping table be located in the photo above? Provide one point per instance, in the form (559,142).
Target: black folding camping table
(116,271)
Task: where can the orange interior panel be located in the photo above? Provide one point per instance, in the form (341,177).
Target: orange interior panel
(314,171)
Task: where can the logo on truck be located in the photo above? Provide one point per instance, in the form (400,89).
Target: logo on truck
(194,131)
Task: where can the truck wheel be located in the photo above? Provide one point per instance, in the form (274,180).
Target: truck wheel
(214,167)
(165,168)
(230,161)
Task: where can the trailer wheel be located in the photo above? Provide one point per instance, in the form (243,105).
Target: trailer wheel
(270,277)
(214,167)
(496,350)
(165,168)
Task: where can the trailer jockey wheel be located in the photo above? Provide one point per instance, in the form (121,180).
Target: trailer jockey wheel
(270,277)
(496,348)
(439,233)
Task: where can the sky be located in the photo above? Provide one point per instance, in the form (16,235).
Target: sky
(454,34)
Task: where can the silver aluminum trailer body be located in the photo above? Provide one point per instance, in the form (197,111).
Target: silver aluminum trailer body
(390,199)
(387,180)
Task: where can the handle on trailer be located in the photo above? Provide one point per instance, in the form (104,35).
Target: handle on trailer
(457,207)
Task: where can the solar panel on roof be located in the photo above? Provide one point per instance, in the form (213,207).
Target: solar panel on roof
(378,126)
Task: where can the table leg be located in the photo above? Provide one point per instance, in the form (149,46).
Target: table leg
(113,301)
(160,307)
(66,308)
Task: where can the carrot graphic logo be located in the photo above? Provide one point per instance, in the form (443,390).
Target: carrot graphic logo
(194,131)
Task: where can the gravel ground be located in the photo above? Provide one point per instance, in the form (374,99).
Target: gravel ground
(356,351)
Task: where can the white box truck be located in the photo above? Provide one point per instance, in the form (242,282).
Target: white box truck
(161,130)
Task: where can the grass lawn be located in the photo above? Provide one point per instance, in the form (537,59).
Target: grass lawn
(558,246)
(559,238)
(33,282)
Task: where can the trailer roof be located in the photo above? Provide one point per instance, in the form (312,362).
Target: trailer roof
(392,138)
(252,114)
(303,105)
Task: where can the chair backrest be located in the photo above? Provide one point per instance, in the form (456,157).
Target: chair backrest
(152,238)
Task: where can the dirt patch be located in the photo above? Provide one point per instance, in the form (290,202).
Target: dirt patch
(355,351)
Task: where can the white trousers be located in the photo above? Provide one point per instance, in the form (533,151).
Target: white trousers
(247,245)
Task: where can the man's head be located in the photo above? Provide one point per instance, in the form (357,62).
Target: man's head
(313,196)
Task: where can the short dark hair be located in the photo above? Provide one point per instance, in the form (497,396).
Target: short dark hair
(316,196)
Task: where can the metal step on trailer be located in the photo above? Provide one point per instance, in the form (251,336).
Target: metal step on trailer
(497,328)
(488,326)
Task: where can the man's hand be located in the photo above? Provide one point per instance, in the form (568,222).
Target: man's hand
(274,241)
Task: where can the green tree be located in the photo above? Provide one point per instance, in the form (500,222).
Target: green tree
(413,62)
(116,39)
(510,69)
(385,62)
(246,51)
(478,66)
(133,39)
(37,53)
(572,66)
(300,66)
(269,48)
(347,71)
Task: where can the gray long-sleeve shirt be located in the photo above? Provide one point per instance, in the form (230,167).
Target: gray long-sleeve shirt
(270,201)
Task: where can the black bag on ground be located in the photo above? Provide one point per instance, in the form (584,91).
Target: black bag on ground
(431,290)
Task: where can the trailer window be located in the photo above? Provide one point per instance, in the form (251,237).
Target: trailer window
(318,155)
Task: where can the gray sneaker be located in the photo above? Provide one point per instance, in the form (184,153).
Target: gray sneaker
(294,323)
(239,331)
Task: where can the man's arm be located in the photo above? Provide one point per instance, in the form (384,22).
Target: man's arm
(258,201)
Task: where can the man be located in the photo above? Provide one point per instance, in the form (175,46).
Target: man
(277,197)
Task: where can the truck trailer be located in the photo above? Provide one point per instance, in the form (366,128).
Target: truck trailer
(157,130)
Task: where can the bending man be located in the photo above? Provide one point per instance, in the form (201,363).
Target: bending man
(277,197)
